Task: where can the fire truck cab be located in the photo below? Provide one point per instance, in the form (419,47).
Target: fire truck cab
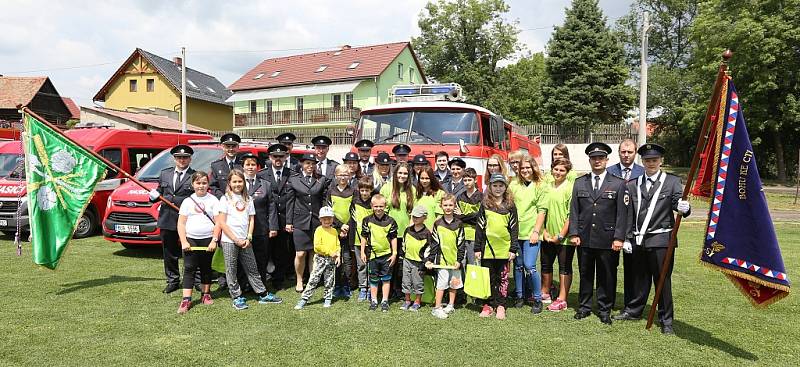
(430,118)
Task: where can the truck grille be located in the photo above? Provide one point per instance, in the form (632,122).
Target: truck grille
(9,206)
(132,218)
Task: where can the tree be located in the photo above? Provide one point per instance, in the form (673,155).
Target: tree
(765,38)
(586,71)
(517,94)
(462,41)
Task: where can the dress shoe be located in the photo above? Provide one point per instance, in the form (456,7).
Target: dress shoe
(171,287)
(667,330)
(606,319)
(626,316)
(582,315)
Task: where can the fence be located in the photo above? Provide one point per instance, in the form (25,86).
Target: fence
(304,135)
(555,134)
(294,117)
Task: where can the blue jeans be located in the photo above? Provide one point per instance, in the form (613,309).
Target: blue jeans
(525,264)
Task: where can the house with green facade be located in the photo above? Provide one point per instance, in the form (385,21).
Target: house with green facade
(319,93)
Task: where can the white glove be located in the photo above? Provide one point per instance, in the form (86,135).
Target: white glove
(154,194)
(627,247)
(683,206)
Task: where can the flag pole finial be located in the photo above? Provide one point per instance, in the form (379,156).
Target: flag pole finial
(726,55)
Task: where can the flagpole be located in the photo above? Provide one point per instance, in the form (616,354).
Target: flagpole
(93,153)
(716,98)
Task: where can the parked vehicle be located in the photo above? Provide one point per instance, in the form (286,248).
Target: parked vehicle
(131,219)
(128,149)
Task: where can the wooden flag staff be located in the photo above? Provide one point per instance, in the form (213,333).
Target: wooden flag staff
(93,153)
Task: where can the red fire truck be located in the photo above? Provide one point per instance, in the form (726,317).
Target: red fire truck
(128,149)
(430,119)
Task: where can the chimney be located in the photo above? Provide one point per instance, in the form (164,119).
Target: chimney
(178,61)
(345,47)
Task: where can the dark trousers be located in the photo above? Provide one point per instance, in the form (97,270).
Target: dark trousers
(171,246)
(498,280)
(345,270)
(648,270)
(197,260)
(630,274)
(261,252)
(553,251)
(281,253)
(600,263)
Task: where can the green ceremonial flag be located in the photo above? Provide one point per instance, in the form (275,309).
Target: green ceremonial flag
(61,178)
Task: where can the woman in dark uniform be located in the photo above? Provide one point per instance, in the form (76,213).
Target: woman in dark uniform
(306,191)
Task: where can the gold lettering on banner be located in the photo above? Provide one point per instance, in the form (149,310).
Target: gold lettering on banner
(714,248)
(746,159)
(755,289)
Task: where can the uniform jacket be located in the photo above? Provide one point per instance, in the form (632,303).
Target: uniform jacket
(168,217)
(305,200)
(280,191)
(368,171)
(598,219)
(456,189)
(218,177)
(662,218)
(266,211)
(293,164)
(330,171)
(616,171)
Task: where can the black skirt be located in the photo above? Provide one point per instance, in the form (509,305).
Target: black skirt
(303,240)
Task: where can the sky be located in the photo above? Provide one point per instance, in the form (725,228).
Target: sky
(79,44)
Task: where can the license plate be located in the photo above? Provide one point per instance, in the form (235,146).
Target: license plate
(3,222)
(125,228)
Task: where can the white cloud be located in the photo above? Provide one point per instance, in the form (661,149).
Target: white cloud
(224,39)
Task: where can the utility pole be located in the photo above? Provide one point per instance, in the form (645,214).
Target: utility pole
(183,89)
(642,138)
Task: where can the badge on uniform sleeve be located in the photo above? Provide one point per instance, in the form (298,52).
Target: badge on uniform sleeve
(626,199)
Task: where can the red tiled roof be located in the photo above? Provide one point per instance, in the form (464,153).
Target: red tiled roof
(74,110)
(156,121)
(19,90)
(302,69)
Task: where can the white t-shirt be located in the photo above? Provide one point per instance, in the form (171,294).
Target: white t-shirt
(198,225)
(238,215)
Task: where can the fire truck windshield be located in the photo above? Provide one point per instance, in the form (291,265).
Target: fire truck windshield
(420,127)
(12,166)
(201,161)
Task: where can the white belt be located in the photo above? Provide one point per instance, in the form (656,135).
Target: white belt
(655,231)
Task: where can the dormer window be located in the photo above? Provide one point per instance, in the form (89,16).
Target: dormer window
(276,73)
(322,68)
(354,65)
(258,76)
(337,53)
(191,83)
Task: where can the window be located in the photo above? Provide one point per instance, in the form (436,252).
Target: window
(400,70)
(275,74)
(348,101)
(114,155)
(151,85)
(269,106)
(411,75)
(132,85)
(210,89)
(299,103)
(140,157)
(337,53)
(191,83)
(337,101)
(322,68)
(253,105)
(354,65)
(258,76)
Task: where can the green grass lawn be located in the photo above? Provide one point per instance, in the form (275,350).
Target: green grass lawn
(104,306)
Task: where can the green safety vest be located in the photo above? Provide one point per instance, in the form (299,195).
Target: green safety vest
(379,240)
(467,208)
(497,235)
(413,246)
(359,215)
(341,208)
(448,245)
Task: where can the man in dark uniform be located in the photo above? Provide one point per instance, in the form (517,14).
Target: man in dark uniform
(627,170)
(281,249)
(175,185)
(325,166)
(382,159)
(220,168)
(419,162)
(364,147)
(401,152)
(455,182)
(287,139)
(654,196)
(598,217)
(349,160)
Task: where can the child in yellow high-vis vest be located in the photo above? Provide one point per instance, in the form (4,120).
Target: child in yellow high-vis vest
(379,235)
(340,198)
(360,208)
(446,252)
(415,239)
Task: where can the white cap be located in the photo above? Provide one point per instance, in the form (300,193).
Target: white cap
(325,211)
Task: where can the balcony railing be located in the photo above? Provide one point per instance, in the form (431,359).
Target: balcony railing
(293,117)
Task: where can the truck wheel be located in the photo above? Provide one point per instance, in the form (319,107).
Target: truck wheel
(86,225)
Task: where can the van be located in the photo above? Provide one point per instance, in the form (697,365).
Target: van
(128,149)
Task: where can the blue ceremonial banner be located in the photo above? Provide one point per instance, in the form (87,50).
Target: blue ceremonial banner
(740,238)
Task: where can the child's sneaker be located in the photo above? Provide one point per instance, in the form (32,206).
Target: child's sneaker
(206,299)
(362,295)
(385,306)
(240,303)
(184,307)
(448,309)
(414,307)
(486,311)
(405,305)
(346,292)
(439,313)
(269,298)
(300,304)
(327,303)
(546,299)
(373,306)
(537,307)
(501,313)
(557,305)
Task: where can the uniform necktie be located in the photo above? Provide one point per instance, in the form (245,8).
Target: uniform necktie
(277,176)
(650,183)
(178,179)
(230,165)
(308,179)
(596,184)
(627,174)
(249,183)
